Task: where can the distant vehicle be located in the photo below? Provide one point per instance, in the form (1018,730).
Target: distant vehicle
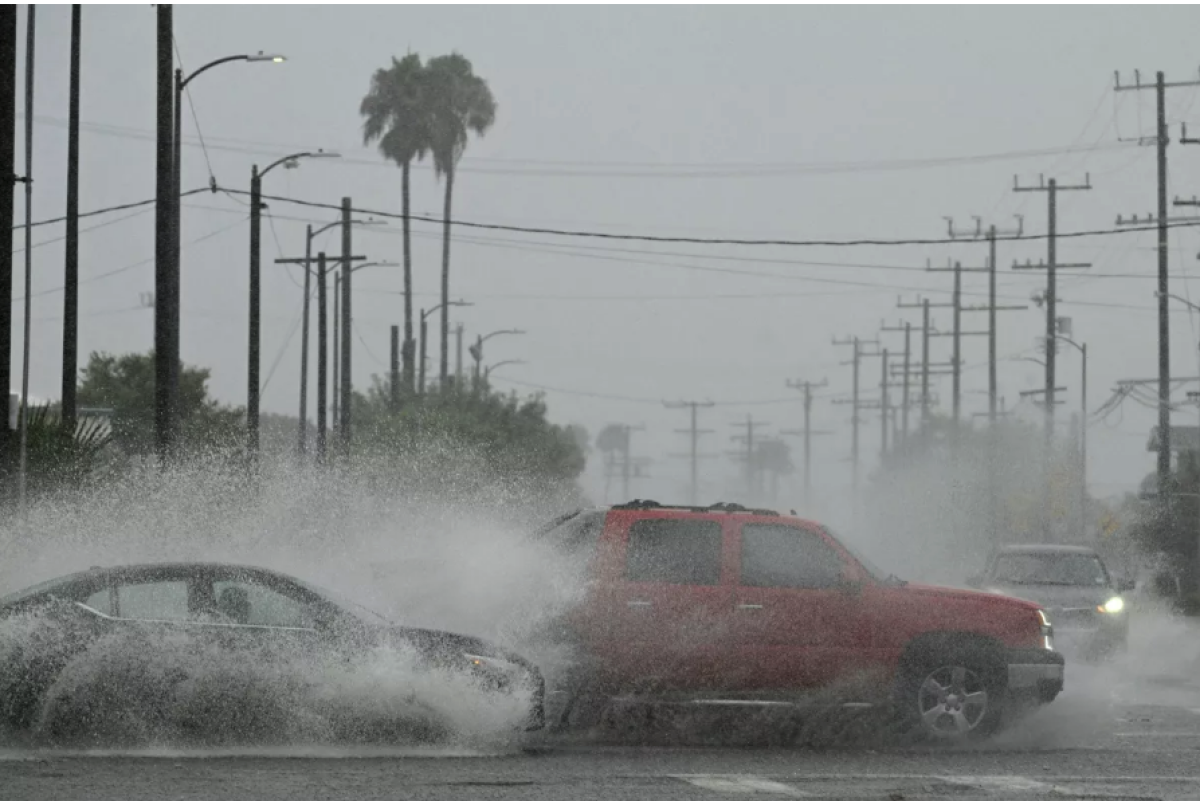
(236,607)
(728,605)
(1072,583)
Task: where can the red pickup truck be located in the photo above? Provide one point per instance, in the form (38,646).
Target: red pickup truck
(730,605)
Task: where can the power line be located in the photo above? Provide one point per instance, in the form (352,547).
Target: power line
(633,169)
(581,234)
(629,399)
(110,209)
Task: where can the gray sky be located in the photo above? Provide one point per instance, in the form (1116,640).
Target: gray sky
(662,121)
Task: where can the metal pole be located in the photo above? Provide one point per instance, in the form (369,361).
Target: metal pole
(175,287)
(421,366)
(957,373)
(883,404)
(70,343)
(8,133)
(252,381)
(925,367)
(347,383)
(458,359)
(854,429)
(807,446)
(1051,352)
(907,356)
(336,389)
(322,356)
(395,369)
(303,433)
(1164,329)
(164,318)
(1083,433)
(992,384)
(24,419)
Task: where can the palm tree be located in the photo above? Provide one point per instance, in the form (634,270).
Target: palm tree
(458,103)
(395,117)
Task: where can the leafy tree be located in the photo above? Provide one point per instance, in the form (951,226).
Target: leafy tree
(396,117)
(457,103)
(125,384)
(470,446)
(56,457)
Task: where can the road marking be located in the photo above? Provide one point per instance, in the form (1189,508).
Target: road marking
(1009,783)
(1156,734)
(734,783)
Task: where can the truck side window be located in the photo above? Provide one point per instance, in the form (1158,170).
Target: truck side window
(786,556)
(674,552)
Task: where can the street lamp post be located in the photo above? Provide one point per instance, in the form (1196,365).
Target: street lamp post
(173,300)
(255,328)
(476,350)
(1082,431)
(487,371)
(424,331)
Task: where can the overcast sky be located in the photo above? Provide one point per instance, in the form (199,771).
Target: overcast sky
(809,123)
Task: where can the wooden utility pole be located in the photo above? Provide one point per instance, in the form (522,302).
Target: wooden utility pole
(807,432)
(166,314)
(70,343)
(8,136)
(957,334)
(395,370)
(694,432)
(751,469)
(347,385)
(1161,138)
(1051,266)
(856,404)
(928,331)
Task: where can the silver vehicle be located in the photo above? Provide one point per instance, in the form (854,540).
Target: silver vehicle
(1072,583)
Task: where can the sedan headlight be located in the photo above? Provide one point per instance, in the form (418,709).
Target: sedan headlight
(1112,606)
(497,673)
(1047,630)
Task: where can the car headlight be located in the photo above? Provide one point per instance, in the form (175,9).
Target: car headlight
(1047,630)
(1112,606)
(499,673)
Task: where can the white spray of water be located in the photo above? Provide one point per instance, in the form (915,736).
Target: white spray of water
(450,553)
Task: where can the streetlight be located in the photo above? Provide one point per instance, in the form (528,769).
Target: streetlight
(1082,431)
(255,332)
(487,371)
(476,350)
(343,386)
(310,235)
(173,302)
(424,316)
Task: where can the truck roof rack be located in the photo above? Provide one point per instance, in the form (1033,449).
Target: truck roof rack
(646,504)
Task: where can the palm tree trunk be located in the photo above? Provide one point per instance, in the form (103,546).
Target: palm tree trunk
(445,366)
(408,289)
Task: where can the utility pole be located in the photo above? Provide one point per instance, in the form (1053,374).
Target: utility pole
(70,343)
(8,136)
(807,387)
(751,469)
(322,356)
(883,405)
(322,275)
(927,331)
(1051,188)
(694,433)
(458,361)
(28,178)
(166,314)
(905,398)
(302,444)
(856,404)
(992,307)
(626,459)
(395,369)
(337,352)
(957,333)
(1161,138)
(347,272)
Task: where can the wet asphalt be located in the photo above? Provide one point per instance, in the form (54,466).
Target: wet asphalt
(1103,738)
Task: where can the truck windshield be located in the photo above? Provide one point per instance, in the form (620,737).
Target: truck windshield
(1067,569)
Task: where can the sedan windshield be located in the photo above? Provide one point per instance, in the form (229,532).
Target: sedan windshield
(1068,569)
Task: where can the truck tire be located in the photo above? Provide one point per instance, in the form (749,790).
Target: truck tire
(951,694)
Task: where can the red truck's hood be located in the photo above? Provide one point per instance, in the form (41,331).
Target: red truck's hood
(950,593)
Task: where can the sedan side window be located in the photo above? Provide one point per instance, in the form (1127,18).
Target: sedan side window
(101,601)
(785,556)
(153,600)
(252,604)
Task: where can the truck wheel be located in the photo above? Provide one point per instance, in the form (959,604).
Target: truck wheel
(952,695)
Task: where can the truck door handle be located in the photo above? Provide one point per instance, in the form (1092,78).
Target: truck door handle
(638,603)
(749,606)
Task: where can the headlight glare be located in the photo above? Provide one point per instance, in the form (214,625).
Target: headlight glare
(1113,605)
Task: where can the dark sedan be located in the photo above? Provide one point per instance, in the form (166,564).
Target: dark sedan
(232,609)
